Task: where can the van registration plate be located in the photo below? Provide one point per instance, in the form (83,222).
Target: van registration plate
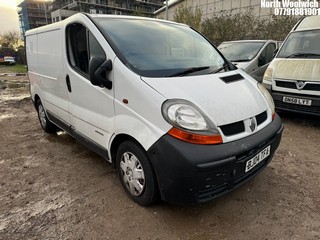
(257,159)
(299,101)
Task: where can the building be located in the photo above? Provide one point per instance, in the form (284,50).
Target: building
(60,9)
(211,8)
(36,13)
(32,14)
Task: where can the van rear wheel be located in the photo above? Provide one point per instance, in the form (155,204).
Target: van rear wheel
(45,123)
(136,174)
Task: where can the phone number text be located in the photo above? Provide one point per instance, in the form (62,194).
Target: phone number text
(296,11)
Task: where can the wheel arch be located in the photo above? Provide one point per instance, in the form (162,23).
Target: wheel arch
(117,141)
(120,138)
(36,98)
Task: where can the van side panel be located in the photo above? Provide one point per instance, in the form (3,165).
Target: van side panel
(53,81)
(141,117)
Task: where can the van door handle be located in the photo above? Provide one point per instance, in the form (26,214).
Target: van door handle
(68,83)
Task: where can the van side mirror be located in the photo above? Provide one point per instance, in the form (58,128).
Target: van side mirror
(98,68)
(275,52)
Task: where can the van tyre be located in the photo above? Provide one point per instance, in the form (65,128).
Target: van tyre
(136,174)
(45,123)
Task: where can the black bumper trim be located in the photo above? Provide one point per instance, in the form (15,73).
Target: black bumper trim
(314,109)
(189,173)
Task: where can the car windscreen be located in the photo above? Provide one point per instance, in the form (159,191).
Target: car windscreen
(304,44)
(240,51)
(160,49)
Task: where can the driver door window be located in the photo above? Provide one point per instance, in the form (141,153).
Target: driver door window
(81,46)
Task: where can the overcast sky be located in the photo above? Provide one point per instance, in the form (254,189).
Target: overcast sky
(8,16)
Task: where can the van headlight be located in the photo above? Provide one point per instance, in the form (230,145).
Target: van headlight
(268,75)
(268,97)
(189,123)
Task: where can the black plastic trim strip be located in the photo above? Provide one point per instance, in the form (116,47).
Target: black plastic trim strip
(101,151)
(232,78)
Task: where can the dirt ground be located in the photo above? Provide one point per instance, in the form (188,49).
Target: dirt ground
(54,188)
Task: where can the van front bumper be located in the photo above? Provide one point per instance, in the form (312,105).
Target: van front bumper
(314,109)
(190,173)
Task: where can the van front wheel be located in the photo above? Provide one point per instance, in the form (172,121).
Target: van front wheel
(136,173)
(45,123)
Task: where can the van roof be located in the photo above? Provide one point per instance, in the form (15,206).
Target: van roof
(250,41)
(93,16)
(307,23)
(246,41)
(111,16)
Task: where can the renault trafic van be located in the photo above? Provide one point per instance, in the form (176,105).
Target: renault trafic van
(293,77)
(157,100)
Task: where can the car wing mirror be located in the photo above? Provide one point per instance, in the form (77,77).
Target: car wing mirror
(98,68)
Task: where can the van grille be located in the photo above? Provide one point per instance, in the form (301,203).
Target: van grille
(232,128)
(292,85)
(261,117)
(297,108)
(238,127)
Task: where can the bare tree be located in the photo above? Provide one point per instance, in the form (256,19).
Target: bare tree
(10,39)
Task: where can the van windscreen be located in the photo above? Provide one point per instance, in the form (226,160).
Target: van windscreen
(302,44)
(160,49)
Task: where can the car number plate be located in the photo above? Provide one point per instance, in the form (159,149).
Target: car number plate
(257,159)
(298,101)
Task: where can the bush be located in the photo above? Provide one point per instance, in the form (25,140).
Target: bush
(228,26)
(240,26)
(187,16)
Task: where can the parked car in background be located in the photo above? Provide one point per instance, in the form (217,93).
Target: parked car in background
(8,60)
(250,55)
(293,77)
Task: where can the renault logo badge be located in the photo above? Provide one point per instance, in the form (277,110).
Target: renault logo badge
(252,124)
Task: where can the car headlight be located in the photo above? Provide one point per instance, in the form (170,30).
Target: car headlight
(189,123)
(268,97)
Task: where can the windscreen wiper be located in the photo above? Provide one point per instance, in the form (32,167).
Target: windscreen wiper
(188,71)
(303,55)
(240,60)
(225,65)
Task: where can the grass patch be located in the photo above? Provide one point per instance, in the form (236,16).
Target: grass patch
(18,68)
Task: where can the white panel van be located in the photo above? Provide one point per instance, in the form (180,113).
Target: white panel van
(250,55)
(157,100)
(293,77)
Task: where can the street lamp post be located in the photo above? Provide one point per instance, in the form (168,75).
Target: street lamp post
(45,11)
(167,15)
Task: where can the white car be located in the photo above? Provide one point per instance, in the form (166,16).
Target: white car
(9,60)
(155,99)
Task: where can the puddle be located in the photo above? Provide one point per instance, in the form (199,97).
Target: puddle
(13,90)
(5,98)
(13,84)
(17,85)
